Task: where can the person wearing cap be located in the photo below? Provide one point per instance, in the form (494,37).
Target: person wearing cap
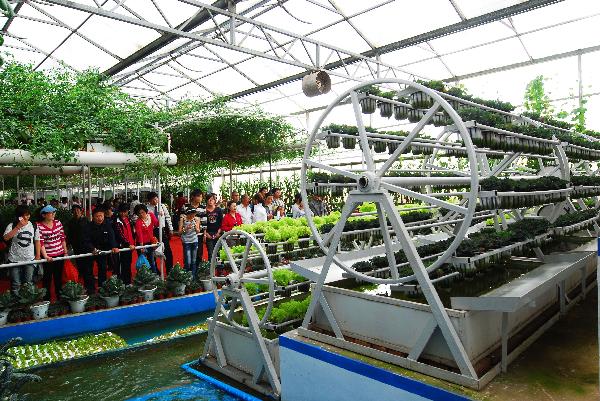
(124,238)
(189,228)
(51,243)
(97,236)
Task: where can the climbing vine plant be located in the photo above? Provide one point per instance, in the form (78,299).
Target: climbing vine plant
(536,99)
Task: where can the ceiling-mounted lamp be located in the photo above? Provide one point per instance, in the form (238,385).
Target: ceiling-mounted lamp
(316,83)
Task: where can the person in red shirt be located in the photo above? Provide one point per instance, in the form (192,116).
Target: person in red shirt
(232,218)
(144,233)
(124,237)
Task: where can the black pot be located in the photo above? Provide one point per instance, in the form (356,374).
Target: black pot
(349,143)
(271,249)
(379,146)
(332,141)
(303,243)
(400,112)
(420,100)
(368,105)
(385,109)
(288,247)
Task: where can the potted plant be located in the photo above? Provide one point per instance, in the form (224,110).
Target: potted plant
(349,142)
(145,281)
(386,109)
(161,290)
(33,297)
(7,301)
(177,279)
(203,275)
(75,295)
(333,141)
(272,237)
(368,104)
(111,290)
(400,111)
(195,286)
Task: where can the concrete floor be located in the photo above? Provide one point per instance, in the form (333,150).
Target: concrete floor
(561,366)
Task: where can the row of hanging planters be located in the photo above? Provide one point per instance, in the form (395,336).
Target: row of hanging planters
(578,153)
(575,221)
(505,142)
(585,186)
(507,193)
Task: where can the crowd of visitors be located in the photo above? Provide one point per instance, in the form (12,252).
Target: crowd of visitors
(117,227)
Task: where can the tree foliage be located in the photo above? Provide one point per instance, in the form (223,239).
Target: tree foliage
(239,137)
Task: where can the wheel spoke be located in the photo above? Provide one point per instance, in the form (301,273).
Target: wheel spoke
(219,279)
(331,169)
(425,198)
(388,243)
(245,255)
(230,257)
(404,144)
(362,134)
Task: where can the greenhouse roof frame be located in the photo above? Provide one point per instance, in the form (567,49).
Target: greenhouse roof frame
(162,50)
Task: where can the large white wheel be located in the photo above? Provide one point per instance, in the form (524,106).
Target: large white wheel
(235,280)
(375,180)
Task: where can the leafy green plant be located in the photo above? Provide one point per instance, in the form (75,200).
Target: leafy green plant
(179,276)
(11,381)
(7,301)
(72,291)
(283,277)
(536,99)
(575,217)
(203,271)
(30,294)
(145,279)
(113,287)
(272,236)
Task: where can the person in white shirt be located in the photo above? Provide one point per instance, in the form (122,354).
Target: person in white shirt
(164,219)
(21,233)
(260,212)
(298,207)
(245,210)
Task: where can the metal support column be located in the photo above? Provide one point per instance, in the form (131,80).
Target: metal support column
(89,189)
(504,361)
(35,196)
(160,226)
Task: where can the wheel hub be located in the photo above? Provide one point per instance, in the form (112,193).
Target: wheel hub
(368,182)
(233,281)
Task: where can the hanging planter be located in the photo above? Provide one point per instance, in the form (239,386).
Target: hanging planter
(379,146)
(401,112)
(439,119)
(385,109)
(420,100)
(348,143)
(333,142)
(368,105)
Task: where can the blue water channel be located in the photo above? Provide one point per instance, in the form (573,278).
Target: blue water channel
(140,373)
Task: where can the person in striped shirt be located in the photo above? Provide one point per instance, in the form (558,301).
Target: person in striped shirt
(51,243)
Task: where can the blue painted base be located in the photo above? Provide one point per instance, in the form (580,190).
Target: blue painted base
(107,319)
(223,386)
(311,373)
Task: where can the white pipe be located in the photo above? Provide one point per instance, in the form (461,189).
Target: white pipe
(93,159)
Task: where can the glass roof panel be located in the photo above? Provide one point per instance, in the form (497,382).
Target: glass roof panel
(472,37)
(480,58)
(119,37)
(51,37)
(404,19)
(510,85)
(342,35)
(431,69)
(87,56)
(555,13)
(473,8)
(563,38)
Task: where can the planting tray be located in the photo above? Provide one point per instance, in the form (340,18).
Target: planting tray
(575,227)
(471,262)
(379,322)
(512,200)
